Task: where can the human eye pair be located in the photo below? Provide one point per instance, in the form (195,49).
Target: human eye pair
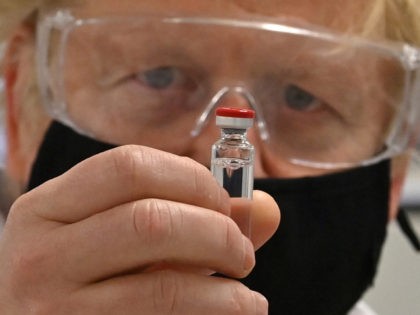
(167,78)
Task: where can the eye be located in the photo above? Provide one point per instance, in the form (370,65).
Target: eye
(161,78)
(299,99)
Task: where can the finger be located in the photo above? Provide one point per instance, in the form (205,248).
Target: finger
(258,218)
(122,175)
(265,218)
(146,232)
(241,213)
(168,292)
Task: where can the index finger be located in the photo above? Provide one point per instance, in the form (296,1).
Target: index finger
(122,175)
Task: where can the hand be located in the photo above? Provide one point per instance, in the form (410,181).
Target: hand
(88,242)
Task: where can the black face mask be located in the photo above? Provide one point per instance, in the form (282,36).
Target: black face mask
(325,253)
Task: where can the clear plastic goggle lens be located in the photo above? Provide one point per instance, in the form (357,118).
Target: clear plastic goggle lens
(321,100)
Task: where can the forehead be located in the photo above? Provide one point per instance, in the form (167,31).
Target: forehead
(340,15)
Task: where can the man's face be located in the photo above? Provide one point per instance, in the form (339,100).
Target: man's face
(176,58)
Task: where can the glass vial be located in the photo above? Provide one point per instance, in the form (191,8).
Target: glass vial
(232,156)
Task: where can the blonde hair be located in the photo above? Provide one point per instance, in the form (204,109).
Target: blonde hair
(13,12)
(397,20)
(400,19)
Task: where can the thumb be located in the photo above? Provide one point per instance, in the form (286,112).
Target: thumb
(258,218)
(264,218)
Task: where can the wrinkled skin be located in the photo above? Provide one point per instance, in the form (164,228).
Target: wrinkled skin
(114,235)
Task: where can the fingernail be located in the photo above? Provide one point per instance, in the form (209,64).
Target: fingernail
(261,304)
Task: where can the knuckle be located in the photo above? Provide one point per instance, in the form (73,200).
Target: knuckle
(203,185)
(167,292)
(28,281)
(20,210)
(14,215)
(242,300)
(124,163)
(26,267)
(27,273)
(155,221)
(133,166)
(234,248)
(201,177)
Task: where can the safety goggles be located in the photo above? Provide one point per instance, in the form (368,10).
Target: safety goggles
(322,99)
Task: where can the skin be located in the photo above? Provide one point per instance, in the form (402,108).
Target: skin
(114,235)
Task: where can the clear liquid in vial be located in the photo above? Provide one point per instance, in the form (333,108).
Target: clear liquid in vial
(235,175)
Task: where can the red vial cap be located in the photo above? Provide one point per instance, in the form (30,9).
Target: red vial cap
(235,112)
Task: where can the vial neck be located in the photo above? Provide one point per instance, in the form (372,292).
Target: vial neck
(233,132)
